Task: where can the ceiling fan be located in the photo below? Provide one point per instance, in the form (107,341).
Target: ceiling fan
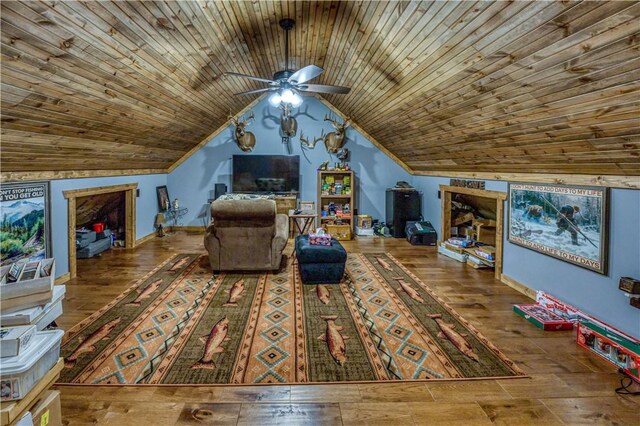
(286,83)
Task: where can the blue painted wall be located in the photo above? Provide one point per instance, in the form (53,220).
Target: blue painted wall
(588,291)
(193,181)
(146,208)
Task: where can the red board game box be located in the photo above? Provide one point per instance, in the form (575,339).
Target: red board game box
(617,348)
(542,317)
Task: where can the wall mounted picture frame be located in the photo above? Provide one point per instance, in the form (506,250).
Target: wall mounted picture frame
(25,224)
(164,202)
(570,223)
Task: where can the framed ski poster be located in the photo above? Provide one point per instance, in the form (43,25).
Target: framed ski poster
(566,222)
(25,231)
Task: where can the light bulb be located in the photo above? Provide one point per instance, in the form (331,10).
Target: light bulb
(287,96)
(296,101)
(275,99)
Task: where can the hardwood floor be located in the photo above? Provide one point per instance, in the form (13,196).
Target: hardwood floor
(567,385)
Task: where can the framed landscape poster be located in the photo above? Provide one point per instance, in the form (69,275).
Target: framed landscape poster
(566,222)
(25,231)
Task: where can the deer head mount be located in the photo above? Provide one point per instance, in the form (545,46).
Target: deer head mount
(245,140)
(333,141)
(305,141)
(288,123)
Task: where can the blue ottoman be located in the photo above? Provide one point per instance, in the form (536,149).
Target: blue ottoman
(320,264)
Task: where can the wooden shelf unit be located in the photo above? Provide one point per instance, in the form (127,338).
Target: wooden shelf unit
(343,198)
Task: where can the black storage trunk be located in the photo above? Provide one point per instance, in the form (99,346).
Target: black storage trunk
(402,206)
(426,236)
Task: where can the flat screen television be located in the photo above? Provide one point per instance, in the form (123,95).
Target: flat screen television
(266,173)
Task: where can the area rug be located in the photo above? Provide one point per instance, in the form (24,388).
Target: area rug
(181,325)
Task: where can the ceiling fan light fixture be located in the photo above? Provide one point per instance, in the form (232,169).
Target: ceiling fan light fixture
(288,96)
(296,101)
(275,99)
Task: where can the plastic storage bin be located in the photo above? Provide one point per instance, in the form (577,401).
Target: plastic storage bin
(20,373)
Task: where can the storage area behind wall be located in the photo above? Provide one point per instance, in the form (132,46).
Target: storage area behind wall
(108,209)
(474,217)
(472,227)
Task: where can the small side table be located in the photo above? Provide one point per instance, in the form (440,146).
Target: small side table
(175,215)
(303,221)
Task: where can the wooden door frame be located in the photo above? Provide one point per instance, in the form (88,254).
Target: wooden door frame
(498,196)
(129,213)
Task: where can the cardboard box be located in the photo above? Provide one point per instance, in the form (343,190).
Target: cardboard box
(340,232)
(542,317)
(47,411)
(27,293)
(364,221)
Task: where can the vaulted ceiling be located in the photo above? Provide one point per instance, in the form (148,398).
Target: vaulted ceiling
(547,87)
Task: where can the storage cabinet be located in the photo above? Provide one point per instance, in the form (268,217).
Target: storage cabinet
(336,199)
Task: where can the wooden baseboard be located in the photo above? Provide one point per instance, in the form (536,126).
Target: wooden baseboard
(518,286)
(187,228)
(146,238)
(62,278)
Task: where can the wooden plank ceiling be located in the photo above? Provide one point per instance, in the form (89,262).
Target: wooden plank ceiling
(546,87)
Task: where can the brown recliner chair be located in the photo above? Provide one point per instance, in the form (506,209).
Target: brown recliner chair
(246,235)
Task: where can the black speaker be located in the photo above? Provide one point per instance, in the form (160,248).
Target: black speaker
(220,189)
(402,206)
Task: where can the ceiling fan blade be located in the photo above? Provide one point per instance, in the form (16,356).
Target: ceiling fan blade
(305,74)
(250,92)
(323,88)
(250,77)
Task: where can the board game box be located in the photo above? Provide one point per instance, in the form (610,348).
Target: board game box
(542,317)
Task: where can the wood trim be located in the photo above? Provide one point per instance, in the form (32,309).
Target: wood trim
(146,238)
(62,279)
(365,134)
(98,190)
(612,181)
(499,195)
(518,286)
(207,139)
(71,236)
(73,174)
(187,228)
(130,216)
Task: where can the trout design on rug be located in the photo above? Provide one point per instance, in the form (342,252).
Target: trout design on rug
(146,293)
(235,293)
(212,343)
(447,332)
(179,264)
(88,344)
(323,293)
(411,292)
(269,327)
(384,264)
(334,339)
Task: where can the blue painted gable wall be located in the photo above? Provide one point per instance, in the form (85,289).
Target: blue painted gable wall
(193,181)
(146,208)
(588,291)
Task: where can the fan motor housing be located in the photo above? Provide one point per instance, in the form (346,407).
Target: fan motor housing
(282,75)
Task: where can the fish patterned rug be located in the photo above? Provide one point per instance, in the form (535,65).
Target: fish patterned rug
(181,325)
